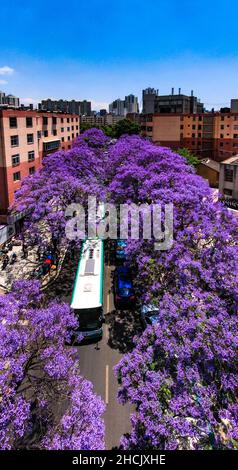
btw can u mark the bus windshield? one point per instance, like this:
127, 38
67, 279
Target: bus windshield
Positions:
89, 318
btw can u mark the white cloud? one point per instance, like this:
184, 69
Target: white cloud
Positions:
97, 105
5, 70
29, 101
3, 82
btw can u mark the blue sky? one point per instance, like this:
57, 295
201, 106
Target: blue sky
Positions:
101, 49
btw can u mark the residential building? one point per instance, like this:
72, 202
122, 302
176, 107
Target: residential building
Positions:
122, 107
149, 96
65, 106
228, 181
234, 105
131, 104
179, 103
207, 135
117, 107
9, 100
98, 120
209, 170
25, 138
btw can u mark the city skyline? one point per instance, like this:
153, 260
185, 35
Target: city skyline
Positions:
129, 48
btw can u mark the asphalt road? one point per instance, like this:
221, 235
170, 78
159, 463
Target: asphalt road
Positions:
97, 360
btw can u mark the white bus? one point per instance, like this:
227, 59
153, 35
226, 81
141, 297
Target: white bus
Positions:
87, 299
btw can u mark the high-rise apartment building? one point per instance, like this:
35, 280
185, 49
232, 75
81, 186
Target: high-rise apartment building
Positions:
71, 107
122, 107
148, 99
131, 104
117, 107
155, 103
25, 138
9, 100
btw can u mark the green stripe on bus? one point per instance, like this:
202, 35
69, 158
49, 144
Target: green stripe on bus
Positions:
101, 275
78, 269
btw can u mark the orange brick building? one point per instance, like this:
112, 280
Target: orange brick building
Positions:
207, 135
25, 138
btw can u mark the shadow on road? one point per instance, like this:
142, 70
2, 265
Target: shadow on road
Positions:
123, 325
63, 286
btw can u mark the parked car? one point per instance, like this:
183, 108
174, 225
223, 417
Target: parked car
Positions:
124, 295
120, 250
149, 315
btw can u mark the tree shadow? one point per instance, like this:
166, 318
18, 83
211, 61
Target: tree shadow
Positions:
123, 326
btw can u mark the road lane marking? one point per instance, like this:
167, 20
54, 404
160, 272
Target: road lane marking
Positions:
107, 385
107, 332
108, 303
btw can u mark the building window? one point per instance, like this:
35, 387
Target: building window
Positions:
222, 126
199, 127
72, 128
54, 120
32, 170
235, 144
221, 136
235, 118
68, 137
54, 132
76, 119
227, 192
14, 140
62, 129
72, 119
77, 134
38, 134
17, 176
235, 136
62, 139
236, 128
199, 135
15, 160
193, 135
68, 129
72, 136
31, 156
62, 120
67, 119
45, 133
77, 128
30, 138
200, 118
221, 144
222, 118
63, 148
45, 120
181, 127
13, 122
194, 127
29, 122
228, 175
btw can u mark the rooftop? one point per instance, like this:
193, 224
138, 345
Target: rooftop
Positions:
231, 161
211, 164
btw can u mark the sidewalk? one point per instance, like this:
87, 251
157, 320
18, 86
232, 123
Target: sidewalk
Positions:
23, 268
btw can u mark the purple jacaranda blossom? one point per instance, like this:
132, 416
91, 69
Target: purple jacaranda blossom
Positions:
44, 402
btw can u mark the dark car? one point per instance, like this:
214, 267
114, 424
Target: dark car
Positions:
120, 250
124, 295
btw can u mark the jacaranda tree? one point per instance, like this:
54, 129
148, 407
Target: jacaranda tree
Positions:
44, 402
181, 376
